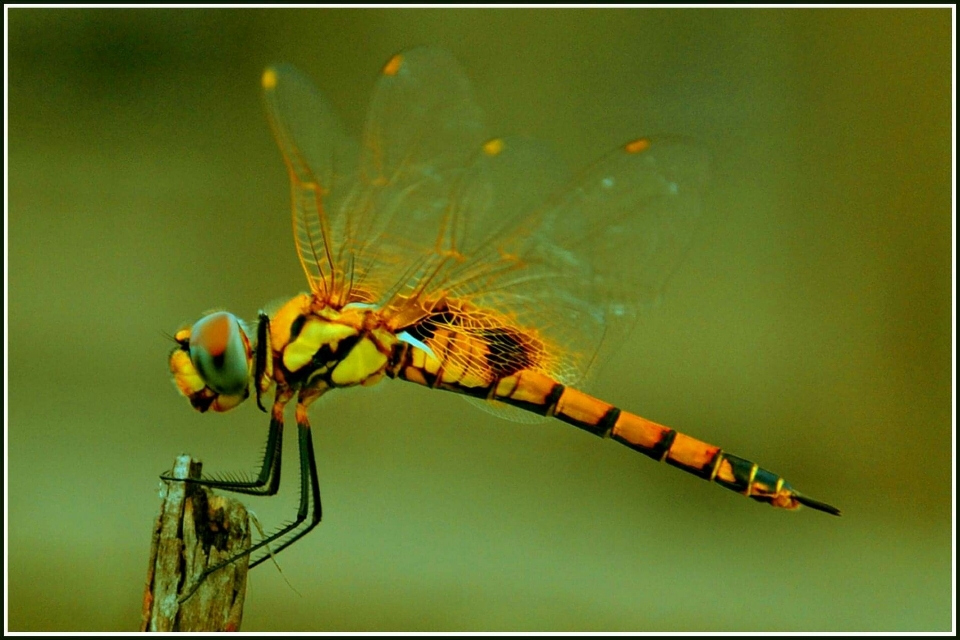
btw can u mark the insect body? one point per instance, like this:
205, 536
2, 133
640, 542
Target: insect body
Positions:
438, 255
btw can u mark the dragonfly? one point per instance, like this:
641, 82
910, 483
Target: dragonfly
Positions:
439, 255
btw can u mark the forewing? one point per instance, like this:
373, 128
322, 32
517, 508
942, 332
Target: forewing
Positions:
422, 132
322, 162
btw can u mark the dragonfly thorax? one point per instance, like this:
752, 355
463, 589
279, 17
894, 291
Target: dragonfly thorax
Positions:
322, 347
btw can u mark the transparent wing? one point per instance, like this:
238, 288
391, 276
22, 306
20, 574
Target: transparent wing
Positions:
322, 163
423, 121
570, 270
361, 217
612, 240
421, 132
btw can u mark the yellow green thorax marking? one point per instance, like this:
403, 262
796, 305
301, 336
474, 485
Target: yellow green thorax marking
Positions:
314, 334
364, 360
317, 342
282, 320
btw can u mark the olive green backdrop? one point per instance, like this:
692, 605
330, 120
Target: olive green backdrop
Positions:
809, 329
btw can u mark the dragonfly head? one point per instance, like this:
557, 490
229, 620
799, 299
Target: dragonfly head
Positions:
213, 362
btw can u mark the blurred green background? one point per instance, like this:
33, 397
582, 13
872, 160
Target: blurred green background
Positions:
809, 329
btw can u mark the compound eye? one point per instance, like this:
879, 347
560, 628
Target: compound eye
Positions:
220, 351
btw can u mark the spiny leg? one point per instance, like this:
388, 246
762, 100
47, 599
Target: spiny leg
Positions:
309, 493
263, 369
309, 487
268, 480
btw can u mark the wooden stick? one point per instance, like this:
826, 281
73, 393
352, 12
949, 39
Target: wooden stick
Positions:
196, 529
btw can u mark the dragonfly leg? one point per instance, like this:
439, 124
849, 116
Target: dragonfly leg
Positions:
309, 482
309, 496
263, 370
268, 480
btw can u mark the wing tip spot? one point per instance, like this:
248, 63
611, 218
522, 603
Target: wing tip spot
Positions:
269, 79
393, 65
493, 147
638, 145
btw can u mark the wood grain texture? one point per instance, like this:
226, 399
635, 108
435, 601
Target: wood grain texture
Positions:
195, 529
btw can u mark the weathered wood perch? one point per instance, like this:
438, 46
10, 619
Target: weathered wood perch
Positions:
196, 529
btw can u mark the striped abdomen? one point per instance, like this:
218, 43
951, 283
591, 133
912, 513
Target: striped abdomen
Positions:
540, 394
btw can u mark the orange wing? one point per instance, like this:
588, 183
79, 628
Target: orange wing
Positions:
433, 213
361, 220
572, 266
